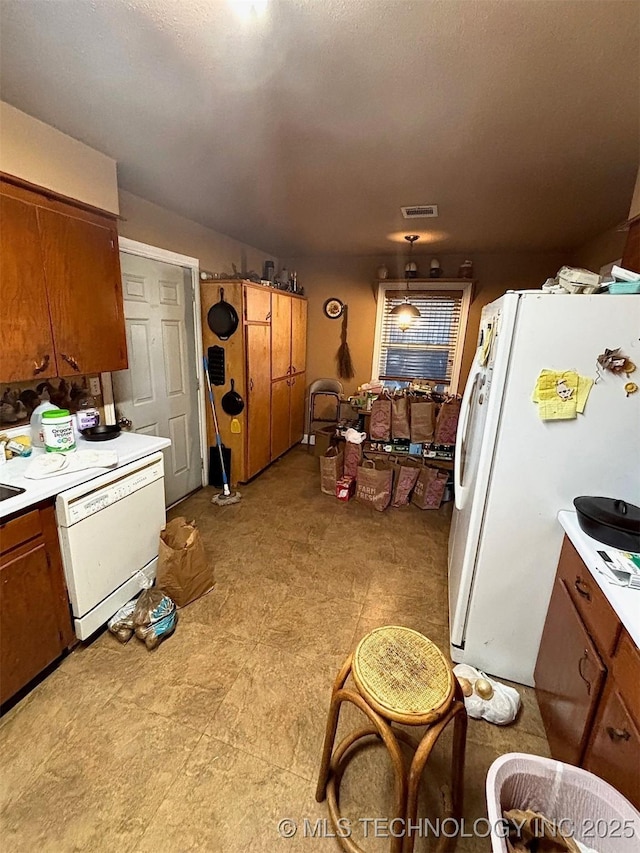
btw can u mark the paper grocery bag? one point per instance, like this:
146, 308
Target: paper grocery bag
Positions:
423, 419
406, 476
380, 424
447, 423
184, 571
400, 418
374, 484
331, 470
429, 489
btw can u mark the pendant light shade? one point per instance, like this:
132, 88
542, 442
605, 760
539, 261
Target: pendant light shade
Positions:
405, 313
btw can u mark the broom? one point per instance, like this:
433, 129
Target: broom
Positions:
343, 356
226, 496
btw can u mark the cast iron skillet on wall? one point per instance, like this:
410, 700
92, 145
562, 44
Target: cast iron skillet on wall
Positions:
232, 402
222, 318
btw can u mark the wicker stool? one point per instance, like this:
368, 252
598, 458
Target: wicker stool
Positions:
399, 676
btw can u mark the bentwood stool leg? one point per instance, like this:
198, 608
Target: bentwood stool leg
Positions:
384, 731
420, 759
330, 732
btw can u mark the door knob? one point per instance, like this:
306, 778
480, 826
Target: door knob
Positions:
124, 423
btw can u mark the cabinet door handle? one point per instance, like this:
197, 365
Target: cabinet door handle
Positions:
584, 659
617, 734
582, 589
268, 317
40, 368
251, 383
71, 362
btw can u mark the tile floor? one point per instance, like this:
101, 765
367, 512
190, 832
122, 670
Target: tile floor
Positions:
210, 740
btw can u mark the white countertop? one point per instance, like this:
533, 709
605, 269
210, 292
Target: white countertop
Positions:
129, 446
625, 601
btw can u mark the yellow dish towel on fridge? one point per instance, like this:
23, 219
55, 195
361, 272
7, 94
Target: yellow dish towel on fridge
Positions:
561, 394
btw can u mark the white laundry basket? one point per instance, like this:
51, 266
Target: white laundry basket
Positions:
599, 816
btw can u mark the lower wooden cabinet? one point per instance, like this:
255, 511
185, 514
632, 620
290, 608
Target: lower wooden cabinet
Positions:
588, 680
287, 413
35, 620
614, 749
569, 677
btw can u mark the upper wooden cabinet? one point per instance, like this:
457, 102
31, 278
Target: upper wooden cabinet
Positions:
61, 272
298, 335
280, 335
27, 345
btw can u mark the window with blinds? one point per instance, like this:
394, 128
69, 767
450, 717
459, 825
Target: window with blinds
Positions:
427, 350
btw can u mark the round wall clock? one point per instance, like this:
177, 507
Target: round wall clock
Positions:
333, 308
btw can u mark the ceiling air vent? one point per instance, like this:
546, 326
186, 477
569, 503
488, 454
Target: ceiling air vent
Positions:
420, 211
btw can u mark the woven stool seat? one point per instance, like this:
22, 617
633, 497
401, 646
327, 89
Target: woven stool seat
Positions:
402, 674
399, 676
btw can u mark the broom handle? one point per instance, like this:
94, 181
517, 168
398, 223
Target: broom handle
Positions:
225, 482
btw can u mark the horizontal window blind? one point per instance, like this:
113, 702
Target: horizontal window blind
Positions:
427, 349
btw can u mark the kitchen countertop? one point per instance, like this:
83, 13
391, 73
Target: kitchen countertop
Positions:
129, 446
625, 601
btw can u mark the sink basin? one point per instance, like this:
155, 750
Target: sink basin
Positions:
7, 492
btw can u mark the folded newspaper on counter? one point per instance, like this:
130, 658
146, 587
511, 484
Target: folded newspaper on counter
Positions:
622, 567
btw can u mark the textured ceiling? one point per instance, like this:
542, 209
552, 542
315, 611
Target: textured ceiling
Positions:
304, 131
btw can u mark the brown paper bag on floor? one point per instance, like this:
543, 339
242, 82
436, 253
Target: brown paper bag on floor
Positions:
423, 420
429, 489
184, 572
400, 418
406, 473
374, 484
352, 458
331, 470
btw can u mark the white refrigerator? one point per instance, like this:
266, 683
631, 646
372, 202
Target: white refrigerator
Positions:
514, 472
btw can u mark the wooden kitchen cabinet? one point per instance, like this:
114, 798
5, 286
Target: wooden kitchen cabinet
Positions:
280, 335
35, 619
569, 676
587, 680
298, 335
614, 749
82, 271
61, 270
280, 417
258, 399
266, 356
27, 346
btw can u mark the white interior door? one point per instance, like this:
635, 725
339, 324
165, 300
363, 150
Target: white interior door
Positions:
159, 391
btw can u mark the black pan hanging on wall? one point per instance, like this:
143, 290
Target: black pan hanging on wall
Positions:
222, 318
232, 402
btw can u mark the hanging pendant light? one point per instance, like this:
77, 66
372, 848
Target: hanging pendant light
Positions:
405, 313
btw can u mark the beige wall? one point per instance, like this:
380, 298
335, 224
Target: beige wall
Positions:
35, 152
351, 278
600, 250
148, 223
635, 201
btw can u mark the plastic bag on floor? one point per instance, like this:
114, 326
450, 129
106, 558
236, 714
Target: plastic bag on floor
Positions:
501, 708
155, 617
121, 624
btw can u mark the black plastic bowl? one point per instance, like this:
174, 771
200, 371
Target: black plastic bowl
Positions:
103, 432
